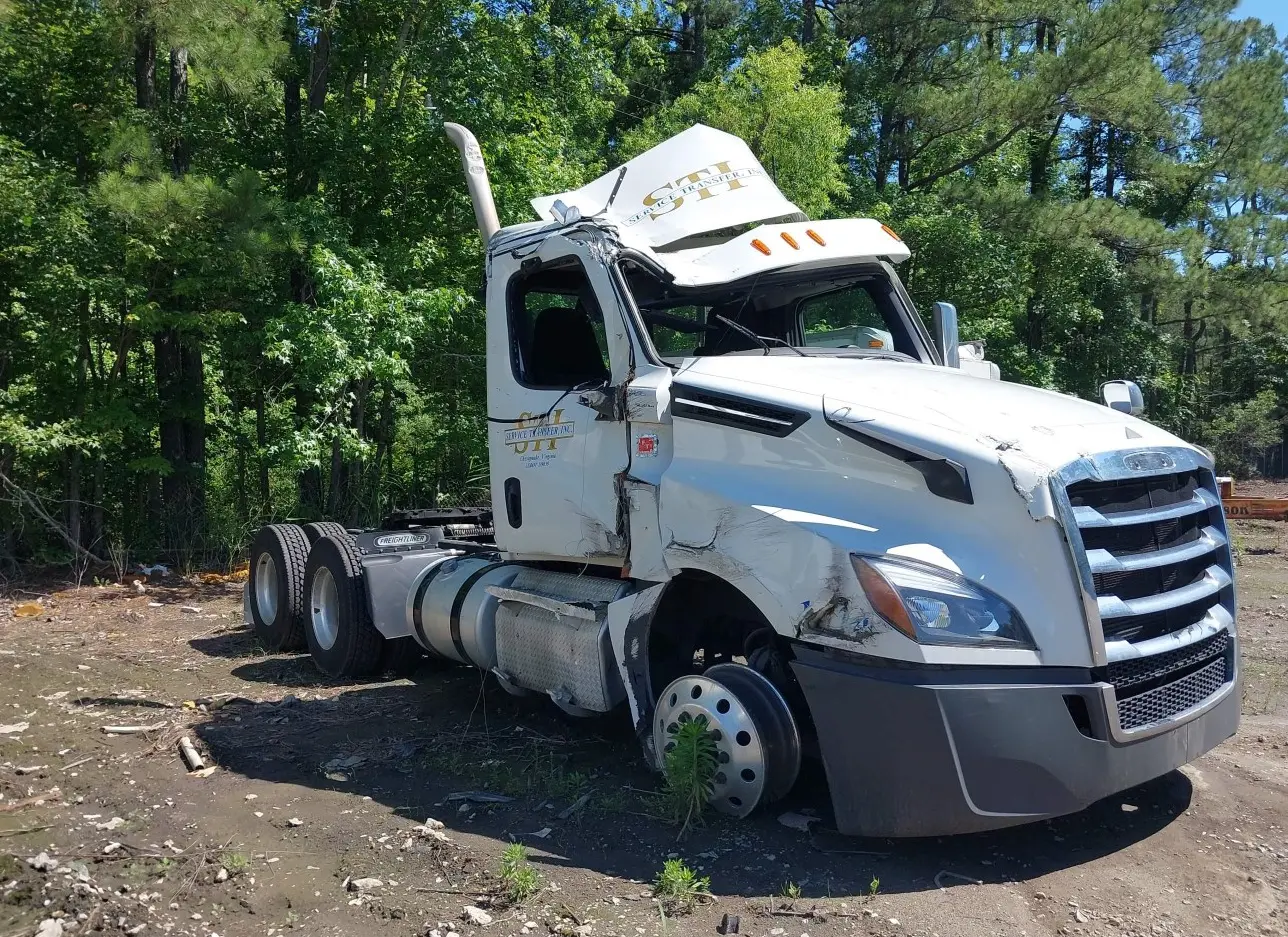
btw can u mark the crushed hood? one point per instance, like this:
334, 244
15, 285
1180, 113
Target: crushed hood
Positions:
927, 407
698, 181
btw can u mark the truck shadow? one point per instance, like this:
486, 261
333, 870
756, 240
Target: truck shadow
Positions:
413, 744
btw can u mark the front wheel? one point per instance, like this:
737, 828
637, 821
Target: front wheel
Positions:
758, 745
341, 637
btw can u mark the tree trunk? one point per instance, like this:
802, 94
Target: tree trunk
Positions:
145, 66
178, 109
169, 369
808, 13
1110, 168
261, 444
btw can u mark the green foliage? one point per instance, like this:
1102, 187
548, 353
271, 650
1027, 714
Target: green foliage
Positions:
261, 297
1239, 431
678, 889
519, 879
794, 127
689, 769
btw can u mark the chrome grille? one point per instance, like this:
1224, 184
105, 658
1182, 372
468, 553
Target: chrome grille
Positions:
1135, 674
1156, 548
1164, 702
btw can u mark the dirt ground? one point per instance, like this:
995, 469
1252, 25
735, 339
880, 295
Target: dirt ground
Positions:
317, 785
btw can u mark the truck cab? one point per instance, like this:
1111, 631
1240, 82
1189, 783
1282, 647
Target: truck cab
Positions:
736, 478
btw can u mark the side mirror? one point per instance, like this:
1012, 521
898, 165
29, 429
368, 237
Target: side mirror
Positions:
946, 334
1123, 396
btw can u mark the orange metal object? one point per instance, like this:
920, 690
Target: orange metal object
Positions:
1266, 509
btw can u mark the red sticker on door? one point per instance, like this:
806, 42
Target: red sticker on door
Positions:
646, 445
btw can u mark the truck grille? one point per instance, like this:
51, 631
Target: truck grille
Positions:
1166, 701
1157, 550
1160, 563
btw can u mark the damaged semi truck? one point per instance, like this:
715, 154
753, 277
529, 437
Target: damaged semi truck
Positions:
734, 476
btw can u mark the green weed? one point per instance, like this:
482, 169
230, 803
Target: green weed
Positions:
235, 862
690, 768
518, 877
677, 888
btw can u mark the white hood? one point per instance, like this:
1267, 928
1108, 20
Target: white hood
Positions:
698, 181
909, 402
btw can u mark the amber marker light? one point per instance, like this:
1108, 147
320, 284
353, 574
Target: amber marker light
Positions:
890, 231
791, 241
761, 246
885, 600
816, 237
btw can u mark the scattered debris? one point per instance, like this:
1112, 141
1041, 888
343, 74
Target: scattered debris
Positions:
42, 862
133, 730
295, 821
158, 569
364, 884
477, 797
796, 821
50, 927
14, 728
113, 824
191, 757
336, 766
221, 875
476, 916
204, 772
28, 610
542, 833
576, 805
728, 924
190, 609
34, 801
947, 874
29, 770
111, 848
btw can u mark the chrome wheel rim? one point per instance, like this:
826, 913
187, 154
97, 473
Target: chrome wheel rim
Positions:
325, 609
266, 588
740, 756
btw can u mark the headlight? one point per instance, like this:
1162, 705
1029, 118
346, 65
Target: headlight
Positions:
934, 606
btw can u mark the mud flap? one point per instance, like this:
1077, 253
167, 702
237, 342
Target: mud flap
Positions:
629, 619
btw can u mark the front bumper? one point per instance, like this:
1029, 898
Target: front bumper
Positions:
911, 751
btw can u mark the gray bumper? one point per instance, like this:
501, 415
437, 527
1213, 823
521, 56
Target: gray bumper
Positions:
921, 752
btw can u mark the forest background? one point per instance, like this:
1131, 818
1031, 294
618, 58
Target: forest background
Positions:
240, 279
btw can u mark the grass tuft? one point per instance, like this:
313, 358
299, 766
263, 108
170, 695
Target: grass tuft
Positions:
518, 877
690, 768
677, 888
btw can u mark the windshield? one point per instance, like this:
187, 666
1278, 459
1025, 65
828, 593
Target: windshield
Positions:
851, 313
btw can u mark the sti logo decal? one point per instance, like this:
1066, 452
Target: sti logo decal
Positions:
536, 432
707, 182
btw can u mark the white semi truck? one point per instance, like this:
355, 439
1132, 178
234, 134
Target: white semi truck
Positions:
735, 476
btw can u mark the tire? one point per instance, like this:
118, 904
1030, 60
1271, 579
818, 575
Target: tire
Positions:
401, 656
337, 619
319, 529
278, 555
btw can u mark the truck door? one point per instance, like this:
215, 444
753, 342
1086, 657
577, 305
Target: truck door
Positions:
556, 343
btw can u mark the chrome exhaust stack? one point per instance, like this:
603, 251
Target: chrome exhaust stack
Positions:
476, 179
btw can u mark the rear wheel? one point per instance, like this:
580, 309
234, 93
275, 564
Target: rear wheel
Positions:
341, 637
758, 746
319, 529
278, 556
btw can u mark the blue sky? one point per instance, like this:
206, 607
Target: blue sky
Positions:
1268, 11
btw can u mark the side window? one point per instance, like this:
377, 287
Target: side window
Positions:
848, 318
557, 336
